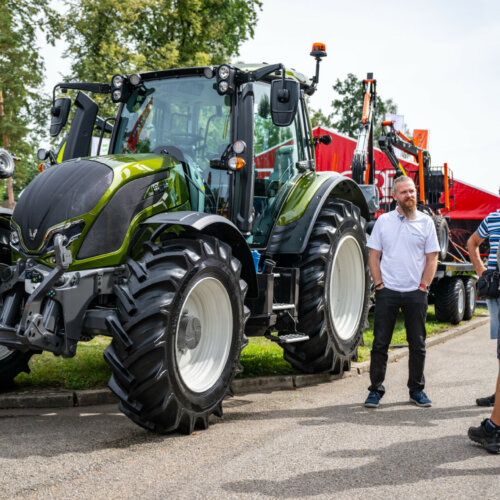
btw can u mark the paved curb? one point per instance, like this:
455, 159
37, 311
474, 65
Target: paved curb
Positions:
65, 399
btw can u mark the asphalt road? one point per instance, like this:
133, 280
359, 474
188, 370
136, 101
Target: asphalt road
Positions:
315, 442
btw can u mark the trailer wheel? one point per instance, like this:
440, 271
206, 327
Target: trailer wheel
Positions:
177, 344
470, 297
334, 291
450, 300
442, 231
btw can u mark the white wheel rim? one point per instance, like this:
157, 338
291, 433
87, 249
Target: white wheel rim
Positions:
200, 367
472, 298
5, 352
461, 301
347, 287
444, 240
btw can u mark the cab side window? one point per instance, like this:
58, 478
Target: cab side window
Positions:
276, 152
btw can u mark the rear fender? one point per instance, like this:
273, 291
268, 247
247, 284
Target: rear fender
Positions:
213, 225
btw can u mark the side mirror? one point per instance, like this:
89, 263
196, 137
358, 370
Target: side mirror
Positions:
323, 139
59, 112
284, 101
6, 164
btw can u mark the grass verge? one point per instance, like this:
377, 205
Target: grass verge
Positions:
261, 357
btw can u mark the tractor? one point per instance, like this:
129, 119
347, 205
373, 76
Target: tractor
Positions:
204, 224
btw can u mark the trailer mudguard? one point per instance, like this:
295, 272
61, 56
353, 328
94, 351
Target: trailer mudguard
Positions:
293, 227
213, 225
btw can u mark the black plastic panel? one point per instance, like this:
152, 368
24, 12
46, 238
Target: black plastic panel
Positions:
108, 231
60, 193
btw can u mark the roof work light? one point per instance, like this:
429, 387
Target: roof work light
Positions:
225, 79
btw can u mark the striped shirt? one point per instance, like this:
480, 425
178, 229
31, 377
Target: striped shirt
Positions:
490, 228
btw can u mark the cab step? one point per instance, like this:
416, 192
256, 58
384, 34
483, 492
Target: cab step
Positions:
283, 307
289, 338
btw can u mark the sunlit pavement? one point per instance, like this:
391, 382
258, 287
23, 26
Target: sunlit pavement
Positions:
317, 442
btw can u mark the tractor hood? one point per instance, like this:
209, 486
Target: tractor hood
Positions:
59, 194
94, 202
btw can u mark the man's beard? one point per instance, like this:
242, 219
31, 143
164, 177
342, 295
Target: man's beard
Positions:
408, 207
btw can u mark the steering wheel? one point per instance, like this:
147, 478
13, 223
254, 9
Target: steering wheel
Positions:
186, 137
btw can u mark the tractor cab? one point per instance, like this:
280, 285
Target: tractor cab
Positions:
241, 134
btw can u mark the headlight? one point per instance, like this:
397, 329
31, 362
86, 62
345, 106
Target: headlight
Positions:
223, 86
235, 163
224, 72
239, 147
117, 95
135, 79
14, 237
117, 81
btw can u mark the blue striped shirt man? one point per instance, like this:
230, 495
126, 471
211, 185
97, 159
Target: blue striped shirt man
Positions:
490, 228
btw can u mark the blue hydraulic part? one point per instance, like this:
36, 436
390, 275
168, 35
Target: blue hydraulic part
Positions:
256, 259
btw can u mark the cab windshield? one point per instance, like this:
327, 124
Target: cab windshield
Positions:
189, 119
184, 112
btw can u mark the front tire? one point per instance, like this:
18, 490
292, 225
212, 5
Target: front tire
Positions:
333, 291
182, 335
11, 362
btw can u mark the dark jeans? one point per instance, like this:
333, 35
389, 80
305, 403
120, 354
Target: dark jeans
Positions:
414, 308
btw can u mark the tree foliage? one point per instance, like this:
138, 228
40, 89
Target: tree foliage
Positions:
111, 36
347, 108
21, 78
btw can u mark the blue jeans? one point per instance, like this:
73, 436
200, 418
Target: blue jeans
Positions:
494, 309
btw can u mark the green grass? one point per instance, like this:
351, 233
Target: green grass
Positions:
261, 357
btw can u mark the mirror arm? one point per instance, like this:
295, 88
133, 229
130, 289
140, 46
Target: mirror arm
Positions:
258, 74
99, 88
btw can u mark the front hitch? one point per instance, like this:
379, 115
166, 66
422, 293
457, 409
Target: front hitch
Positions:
52, 317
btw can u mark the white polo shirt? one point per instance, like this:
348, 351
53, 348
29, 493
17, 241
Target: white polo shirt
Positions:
403, 243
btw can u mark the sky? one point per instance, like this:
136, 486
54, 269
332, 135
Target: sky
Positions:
438, 60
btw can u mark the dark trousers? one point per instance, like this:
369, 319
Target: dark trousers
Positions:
414, 308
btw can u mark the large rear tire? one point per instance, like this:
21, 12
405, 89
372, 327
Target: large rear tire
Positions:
470, 297
181, 319
333, 291
450, 300
443, 235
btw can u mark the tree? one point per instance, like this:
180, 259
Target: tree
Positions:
348, 107
106, 37
21, 70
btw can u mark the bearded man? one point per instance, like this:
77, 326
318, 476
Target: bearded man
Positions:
403, 258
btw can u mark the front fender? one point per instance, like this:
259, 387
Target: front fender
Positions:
213, 225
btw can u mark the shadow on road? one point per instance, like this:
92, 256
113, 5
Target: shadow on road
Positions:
79, 430
388, 415
397, 464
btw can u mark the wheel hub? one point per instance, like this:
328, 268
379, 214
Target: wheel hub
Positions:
189, 332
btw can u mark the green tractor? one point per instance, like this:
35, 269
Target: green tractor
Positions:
205, 224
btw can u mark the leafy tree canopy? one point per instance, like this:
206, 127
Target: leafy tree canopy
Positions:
347, 108
21, 70
112, 36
